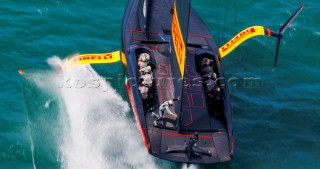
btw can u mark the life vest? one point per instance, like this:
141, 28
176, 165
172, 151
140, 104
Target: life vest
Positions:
142, 65
147, 79
145, 70
144, 92
164, 105
144, 57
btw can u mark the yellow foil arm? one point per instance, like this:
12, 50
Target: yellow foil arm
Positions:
93, 59
241, 37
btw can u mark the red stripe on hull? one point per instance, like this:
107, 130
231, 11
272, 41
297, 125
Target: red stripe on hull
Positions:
184, 135
136, 116
232, 148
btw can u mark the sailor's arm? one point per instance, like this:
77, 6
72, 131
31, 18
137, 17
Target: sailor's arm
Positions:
174, 99
170, 112
143, 69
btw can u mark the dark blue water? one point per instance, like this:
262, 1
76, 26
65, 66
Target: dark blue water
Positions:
276, 112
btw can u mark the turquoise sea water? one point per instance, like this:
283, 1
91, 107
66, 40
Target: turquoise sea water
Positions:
276, 116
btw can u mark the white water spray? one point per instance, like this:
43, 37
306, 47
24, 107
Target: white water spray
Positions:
100, 133
189, 166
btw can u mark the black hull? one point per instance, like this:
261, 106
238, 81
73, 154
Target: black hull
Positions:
215, 129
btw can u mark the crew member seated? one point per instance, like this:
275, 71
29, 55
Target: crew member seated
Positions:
147, 80
218, 96
207, 67
146, 70
144, 57
206, 62
142, 64
210, 75
210, 87
144, 91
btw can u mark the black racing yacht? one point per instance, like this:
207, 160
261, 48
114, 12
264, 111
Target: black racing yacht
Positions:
178, 42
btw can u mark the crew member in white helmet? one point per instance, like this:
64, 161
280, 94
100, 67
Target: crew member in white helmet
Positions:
163, 107
144, 57
147, 80
144, 91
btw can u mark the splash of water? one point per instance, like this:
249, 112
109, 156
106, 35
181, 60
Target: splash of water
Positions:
100, 135
189, 166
